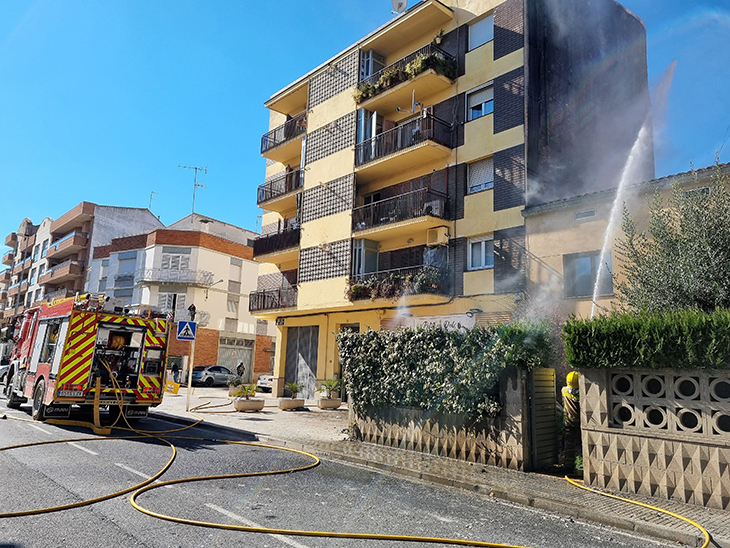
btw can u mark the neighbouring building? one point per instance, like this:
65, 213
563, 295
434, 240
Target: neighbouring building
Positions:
197, 261
397, 171
50, 260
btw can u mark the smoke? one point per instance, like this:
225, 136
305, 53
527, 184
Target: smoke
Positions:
660, 110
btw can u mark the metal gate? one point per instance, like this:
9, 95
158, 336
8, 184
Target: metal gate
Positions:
232, 352
544, 435
301, 358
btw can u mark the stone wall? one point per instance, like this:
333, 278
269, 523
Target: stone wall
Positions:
658, 433
505, 443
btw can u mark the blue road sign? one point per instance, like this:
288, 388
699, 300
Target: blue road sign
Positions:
186, 331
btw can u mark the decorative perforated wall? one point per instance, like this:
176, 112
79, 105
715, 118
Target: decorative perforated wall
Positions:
330, 260
334, 78
330, 198
331, 138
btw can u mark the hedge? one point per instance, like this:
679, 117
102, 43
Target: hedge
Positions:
436, 369
684, 339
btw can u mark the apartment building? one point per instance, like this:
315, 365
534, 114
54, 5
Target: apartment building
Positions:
197, 261
50, 260
397, 171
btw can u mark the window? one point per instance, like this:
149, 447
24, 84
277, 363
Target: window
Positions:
585, 214
479, 102
480, 175
481, 32
165, 301
41, 270
232, 305
49, 343
234, 287
44, 249
126, 263
580, 270
364, 257
480, 253
36, 250
231, 324
176, 258
31, 280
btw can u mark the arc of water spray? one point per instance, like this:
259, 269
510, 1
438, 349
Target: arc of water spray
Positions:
626, 177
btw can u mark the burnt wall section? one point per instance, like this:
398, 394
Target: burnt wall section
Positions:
509, 178
334, 78
509, 28
328, 261
509, 260
453, 111
509, 100
333, 137
588, 97
329, 198
457, 263
455, 182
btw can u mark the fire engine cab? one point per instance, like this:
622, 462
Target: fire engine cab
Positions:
62, 348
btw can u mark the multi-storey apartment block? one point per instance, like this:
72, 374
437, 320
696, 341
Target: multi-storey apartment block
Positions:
397, 171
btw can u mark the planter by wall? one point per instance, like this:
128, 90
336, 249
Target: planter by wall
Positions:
329, 403
242, 404
288, 404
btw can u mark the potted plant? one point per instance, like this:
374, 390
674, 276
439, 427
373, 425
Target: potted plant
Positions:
234, 382
243, 399
292, 403
330, 387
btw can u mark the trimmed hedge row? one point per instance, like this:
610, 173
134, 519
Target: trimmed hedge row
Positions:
438, 370
684, 339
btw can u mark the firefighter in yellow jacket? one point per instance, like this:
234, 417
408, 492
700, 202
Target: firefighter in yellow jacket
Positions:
571, 417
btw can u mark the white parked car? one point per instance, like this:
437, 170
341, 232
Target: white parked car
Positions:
265, 383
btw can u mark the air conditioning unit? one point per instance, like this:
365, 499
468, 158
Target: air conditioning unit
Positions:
437, 236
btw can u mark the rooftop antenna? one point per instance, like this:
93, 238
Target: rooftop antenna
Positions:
196, 185
150, 206
399, 6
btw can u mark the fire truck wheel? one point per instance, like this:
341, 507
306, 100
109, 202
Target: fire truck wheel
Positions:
12, 401
38, 405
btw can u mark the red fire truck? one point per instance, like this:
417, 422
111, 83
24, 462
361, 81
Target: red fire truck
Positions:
63, 347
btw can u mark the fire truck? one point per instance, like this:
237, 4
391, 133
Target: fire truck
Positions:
65, 349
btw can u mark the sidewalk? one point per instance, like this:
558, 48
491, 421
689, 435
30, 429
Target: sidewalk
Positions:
324, 433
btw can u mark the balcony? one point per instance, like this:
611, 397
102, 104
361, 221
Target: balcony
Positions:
58, 294
425, 72
8, 258
70, 244
5, 276
3, 296
26, 243
413, 143
284, 142
22, 267
279, 247
272, 299
14, 289
11, 239
398, 282
279, 194
400, 215
63, 272
73, 219
201, 278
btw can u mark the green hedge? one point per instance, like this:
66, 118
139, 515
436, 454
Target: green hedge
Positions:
686, 339
435, 369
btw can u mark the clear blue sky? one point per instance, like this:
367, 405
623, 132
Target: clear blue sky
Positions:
101, 100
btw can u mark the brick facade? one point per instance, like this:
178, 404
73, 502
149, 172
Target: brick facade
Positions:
262, 355
509, 100
509, 28
509, 178
206, 346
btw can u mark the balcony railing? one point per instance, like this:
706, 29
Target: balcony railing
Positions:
288, 130
166, 275
424, 128
278, 241
411, 205
58, 294
283, 184
271, 299
410, 66
394, 283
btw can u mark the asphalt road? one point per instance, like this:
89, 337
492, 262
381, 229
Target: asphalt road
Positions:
330, 497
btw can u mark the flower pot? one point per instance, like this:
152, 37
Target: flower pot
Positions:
242, 404
329, 403
288, 404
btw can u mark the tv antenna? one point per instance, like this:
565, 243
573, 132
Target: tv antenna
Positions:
150, 206
196, 185
399, 6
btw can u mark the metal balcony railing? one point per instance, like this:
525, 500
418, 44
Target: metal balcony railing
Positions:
290, 129
278, 241
278, 186
270, 299
424, 128
427, 57
411, 205
166, 275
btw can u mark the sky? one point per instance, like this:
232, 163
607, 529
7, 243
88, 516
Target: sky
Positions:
102, 101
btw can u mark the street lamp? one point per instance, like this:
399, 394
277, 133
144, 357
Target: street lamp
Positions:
211, 285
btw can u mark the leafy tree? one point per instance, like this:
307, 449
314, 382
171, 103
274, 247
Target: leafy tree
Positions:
683, 260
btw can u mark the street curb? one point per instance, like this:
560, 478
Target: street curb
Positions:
521, 497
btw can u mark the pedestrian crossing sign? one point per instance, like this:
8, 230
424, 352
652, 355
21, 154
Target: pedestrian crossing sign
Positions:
186, 331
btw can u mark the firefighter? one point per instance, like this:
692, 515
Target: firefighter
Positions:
571, 419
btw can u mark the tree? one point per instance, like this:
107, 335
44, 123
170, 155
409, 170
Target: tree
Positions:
683, 260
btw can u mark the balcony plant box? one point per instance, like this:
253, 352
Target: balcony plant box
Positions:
243, 400
329, 387
287, 404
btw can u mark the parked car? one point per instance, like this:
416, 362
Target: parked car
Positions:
265, 383
211, 375
3, 373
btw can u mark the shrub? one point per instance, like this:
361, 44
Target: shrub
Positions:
247, 391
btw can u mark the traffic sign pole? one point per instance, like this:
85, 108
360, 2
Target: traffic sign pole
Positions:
190, 374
